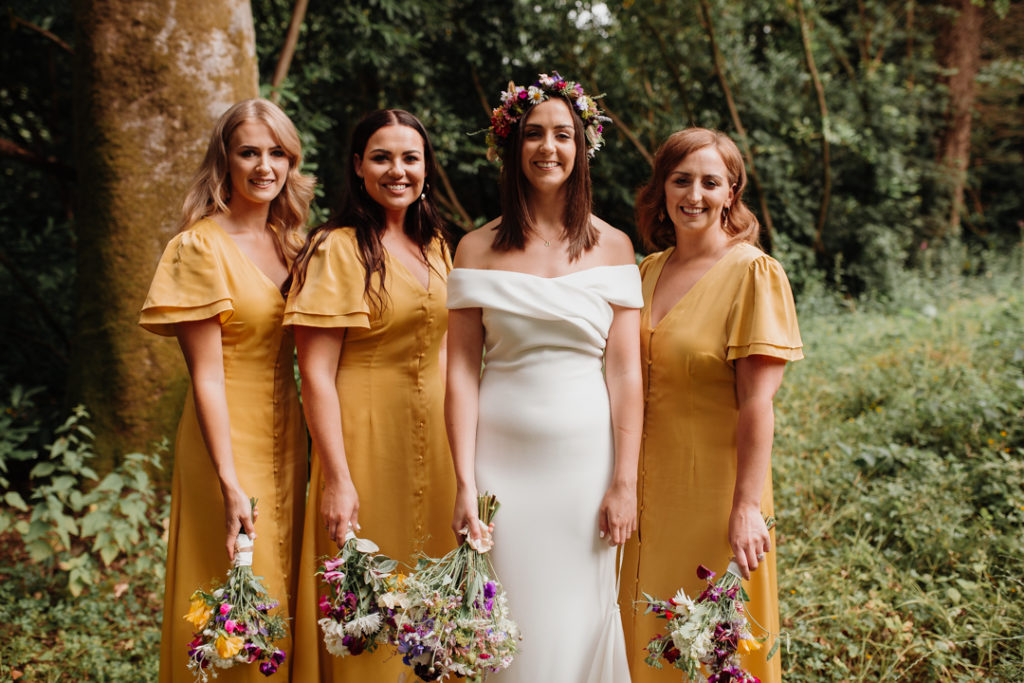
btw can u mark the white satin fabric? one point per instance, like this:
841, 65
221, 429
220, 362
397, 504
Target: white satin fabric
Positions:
544, 447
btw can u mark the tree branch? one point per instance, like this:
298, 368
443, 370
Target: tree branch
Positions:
769, 230
284, 61
452, 201
15, 19
12, 150
672, 67
621, 125
480, 92
805, 36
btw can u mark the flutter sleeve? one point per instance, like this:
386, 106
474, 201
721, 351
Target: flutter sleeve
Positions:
763, 316
189, 285
332, 293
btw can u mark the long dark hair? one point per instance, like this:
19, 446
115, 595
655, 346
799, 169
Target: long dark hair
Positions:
423, 223
516, 219
657, 231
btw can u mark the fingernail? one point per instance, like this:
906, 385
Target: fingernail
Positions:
600, 534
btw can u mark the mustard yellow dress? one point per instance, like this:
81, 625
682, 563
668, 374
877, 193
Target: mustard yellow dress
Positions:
392, 416
203, 274
742, 306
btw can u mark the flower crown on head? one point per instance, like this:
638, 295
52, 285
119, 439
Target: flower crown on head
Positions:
517, 100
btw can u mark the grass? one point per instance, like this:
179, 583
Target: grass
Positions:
899, 470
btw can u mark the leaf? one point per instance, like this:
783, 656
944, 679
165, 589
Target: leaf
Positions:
42, 469
14, 499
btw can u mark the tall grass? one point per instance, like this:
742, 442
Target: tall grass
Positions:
899, 470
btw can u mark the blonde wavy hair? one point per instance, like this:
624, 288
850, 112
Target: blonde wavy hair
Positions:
210, 189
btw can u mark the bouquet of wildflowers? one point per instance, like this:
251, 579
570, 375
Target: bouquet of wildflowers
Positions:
352, 617
232, 623
453, 617
704, 637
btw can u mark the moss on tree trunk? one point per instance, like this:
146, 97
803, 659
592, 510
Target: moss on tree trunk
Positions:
152, 76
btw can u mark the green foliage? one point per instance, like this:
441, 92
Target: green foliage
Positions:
899, 473
82, 566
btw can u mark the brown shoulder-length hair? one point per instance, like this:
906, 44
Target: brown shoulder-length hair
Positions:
516, 217
210, 189
423, 222
654, 226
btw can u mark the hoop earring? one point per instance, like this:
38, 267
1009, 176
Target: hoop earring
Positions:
725, 215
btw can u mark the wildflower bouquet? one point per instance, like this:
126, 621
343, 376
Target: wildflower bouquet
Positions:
232, 623
704, 637
453, 618
352, 617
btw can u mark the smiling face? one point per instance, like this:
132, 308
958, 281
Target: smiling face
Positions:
257, 164
548, 145
697, 190
393, 168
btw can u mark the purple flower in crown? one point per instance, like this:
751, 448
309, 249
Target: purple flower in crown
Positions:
516, 101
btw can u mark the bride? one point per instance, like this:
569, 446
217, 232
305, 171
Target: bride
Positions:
552, 425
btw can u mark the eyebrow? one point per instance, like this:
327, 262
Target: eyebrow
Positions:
557, 125
387, 151
713, 176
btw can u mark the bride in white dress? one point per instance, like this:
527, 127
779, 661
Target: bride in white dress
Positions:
552, 426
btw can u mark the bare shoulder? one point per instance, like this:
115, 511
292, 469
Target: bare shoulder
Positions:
475, 246
614, 246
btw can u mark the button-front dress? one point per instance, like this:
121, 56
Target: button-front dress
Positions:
392, 416
742, 306
203, 274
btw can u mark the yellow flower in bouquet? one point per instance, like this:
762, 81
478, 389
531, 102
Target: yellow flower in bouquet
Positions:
198, 613
747, 645
229, 646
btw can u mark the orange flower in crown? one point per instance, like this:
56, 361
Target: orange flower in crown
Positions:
517, 101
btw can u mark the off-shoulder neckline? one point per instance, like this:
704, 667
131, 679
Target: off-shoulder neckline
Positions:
540, 277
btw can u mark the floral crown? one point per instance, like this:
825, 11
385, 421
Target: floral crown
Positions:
517, 100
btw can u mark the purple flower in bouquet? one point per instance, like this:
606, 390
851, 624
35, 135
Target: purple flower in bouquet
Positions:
452, 618
231, 623
353, 620
704, 637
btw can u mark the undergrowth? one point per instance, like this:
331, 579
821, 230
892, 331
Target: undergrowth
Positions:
899, 470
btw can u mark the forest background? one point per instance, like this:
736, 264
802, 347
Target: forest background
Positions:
884, 142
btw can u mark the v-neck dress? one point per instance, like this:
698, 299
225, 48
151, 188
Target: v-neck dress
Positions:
392, 417
741, 306
203, 274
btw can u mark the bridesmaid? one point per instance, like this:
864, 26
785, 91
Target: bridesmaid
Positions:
218, 290
717, 328
368, 309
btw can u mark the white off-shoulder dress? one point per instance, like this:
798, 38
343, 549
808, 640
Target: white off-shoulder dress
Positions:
544, 447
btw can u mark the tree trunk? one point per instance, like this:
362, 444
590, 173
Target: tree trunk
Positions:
152, 76
960, 54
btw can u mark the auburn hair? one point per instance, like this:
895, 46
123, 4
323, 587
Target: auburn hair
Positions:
652, 222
